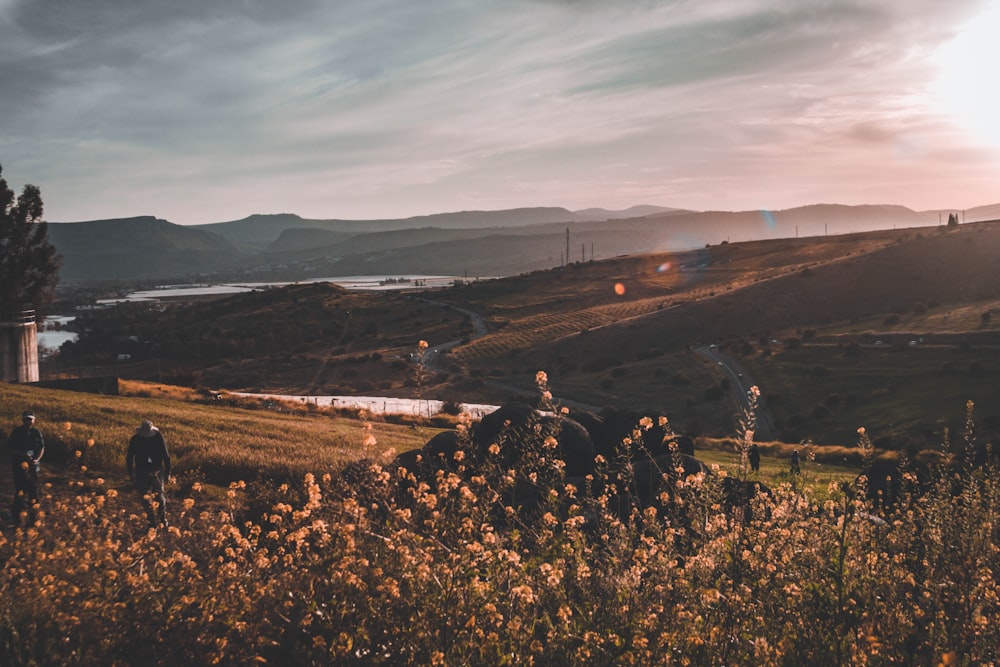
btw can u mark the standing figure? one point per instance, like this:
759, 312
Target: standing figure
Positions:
754, 456
26, 447
795, 462
148, 464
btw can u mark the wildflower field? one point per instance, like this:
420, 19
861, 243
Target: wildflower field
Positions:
358, 562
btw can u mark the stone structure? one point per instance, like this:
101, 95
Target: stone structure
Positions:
19, 347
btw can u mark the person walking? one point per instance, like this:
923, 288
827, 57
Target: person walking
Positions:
754, 456
795, 463
26, 446
148, 464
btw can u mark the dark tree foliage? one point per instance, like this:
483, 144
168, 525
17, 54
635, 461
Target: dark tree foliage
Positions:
28, 262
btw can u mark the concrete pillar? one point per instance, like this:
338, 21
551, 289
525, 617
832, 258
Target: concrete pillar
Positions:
19, 348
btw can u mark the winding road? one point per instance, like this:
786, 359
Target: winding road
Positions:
740, 383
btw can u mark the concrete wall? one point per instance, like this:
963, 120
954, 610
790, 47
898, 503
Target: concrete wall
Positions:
19, 349
107, 385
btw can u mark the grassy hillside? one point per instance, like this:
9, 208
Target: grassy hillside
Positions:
313, 338
143, 248
209, 443
906, 376
621, 332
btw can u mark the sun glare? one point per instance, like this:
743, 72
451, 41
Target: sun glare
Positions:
965, 81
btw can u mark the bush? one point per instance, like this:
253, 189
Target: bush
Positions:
713, 394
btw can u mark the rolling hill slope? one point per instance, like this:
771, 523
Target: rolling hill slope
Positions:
143, 248
287, 247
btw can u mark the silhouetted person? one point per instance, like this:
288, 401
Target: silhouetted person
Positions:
148, 464
26, 447
795, 462
754, 456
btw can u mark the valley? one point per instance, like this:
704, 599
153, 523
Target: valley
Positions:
797, 314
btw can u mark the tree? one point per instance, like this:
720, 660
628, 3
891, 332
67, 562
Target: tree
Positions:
953, 219
28, 262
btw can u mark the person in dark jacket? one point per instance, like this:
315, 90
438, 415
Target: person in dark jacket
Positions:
148, 464
27, 446
795, 463
754, 456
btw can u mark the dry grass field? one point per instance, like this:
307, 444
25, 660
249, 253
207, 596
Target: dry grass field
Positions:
210, 443
315, 569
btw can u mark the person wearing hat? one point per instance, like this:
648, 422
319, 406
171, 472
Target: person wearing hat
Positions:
27, 446
148, 464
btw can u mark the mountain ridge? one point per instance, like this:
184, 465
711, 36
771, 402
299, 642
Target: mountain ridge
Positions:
288, 247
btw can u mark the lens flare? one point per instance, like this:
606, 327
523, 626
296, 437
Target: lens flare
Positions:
769, 219
620, 289
663, 268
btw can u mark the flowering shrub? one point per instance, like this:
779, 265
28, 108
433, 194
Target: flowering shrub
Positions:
380, 567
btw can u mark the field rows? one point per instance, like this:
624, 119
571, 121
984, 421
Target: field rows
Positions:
536, 329
531, 330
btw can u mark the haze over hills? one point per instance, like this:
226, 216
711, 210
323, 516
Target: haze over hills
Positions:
287, 247
257, 231
899, 326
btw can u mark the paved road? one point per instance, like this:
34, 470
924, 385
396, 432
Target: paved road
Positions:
740, 382
479, 329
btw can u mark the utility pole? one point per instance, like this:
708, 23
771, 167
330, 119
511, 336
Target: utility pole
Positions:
567, 245
583, 253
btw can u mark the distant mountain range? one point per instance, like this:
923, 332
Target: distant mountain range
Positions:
287, 247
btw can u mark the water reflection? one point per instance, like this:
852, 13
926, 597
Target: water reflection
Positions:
354, 283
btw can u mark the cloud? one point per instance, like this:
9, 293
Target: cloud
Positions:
205, 110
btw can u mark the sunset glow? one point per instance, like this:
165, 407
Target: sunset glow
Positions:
967, 76
202, 112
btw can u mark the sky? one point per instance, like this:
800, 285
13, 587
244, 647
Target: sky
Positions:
201, 111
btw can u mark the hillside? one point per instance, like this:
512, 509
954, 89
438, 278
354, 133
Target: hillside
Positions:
610, 332
287, 247
143, 248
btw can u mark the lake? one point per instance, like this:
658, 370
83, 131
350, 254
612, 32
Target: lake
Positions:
54, 338
353, 283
